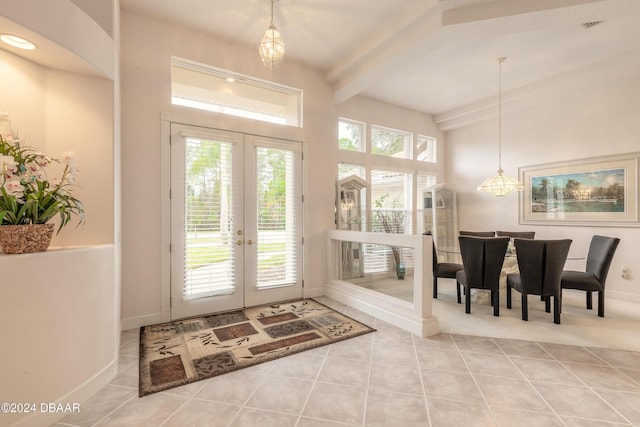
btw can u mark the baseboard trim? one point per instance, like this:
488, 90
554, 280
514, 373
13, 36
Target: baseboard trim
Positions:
313, 292
383, 307
138, 321
625, 296
76, 396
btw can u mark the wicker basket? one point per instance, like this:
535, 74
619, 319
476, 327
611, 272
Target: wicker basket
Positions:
27, 238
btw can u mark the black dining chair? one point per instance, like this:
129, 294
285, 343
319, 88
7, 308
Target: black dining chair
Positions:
601, 251
540, 263
517, 234
477, 233
444, 270
482, 259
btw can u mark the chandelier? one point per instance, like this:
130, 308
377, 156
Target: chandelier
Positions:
272, 47
500, 185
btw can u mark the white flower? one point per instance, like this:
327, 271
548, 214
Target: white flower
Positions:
7, 161
8, 165
42, 160
13, 187
32, 173
32, 167
23, 177
68, 157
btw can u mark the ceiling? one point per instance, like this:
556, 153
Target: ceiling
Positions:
433, 56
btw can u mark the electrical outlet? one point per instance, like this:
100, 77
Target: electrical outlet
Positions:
625, 272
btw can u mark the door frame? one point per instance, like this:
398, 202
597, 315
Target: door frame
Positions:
231, 124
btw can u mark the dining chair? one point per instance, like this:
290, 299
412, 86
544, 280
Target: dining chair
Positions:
540, 263
517, 234
601, 251
482, 259
444, 270
477, 233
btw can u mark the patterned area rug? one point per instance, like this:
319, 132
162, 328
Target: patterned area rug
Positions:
189, 350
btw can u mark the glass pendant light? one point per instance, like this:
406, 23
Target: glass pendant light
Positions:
272, 48
500, 185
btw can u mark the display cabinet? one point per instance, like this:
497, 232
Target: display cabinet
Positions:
352, 200
441, 219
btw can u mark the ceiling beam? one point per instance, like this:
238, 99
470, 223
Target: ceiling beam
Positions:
446, 22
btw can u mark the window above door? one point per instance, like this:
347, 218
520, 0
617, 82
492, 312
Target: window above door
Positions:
204, 87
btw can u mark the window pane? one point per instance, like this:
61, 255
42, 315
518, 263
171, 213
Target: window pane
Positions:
350, 135
277, 230
388, 142
391, 212
209, 261
391, 201
348, 169
426, 149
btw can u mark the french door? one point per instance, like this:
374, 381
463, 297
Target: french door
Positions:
236, 220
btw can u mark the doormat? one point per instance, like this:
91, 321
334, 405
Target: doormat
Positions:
188, 350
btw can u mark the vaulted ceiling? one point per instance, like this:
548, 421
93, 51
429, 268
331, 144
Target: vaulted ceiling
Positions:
433, 56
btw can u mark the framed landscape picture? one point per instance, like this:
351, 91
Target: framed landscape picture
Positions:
598, 191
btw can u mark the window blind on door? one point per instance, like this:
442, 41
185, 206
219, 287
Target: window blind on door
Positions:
277, 204
209, 240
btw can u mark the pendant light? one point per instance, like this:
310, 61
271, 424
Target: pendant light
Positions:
500, 185
272, 47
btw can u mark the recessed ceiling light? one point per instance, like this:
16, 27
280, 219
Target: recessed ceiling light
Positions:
230, 79
18, 42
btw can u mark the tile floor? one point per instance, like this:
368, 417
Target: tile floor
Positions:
393, 378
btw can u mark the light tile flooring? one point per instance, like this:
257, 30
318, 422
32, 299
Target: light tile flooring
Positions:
393, 378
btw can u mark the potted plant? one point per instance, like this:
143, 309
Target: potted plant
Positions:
29, 199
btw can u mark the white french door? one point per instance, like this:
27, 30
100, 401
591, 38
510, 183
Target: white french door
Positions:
236, 220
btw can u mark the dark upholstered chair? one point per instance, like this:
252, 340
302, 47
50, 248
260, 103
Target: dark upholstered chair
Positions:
445, 270
482, 259
477, 233
540, 263
517, 234
601, 251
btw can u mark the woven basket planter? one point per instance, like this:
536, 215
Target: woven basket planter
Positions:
24, 239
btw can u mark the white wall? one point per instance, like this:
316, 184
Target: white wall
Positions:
594, 113
80, 118
64, 346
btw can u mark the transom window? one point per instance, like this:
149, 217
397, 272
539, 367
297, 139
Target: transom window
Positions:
204, 87
390, 142
426, 149
351, 135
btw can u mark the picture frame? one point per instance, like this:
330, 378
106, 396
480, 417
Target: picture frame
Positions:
599, 191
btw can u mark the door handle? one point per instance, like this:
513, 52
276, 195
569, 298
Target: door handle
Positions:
249, 242
239, 242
